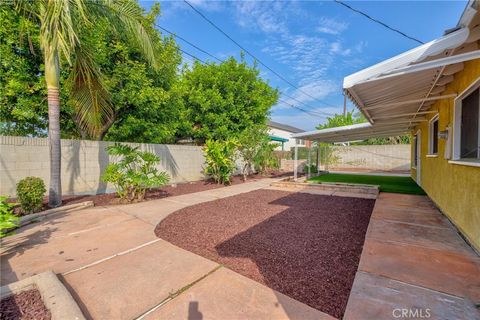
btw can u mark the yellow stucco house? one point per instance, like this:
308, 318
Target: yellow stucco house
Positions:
433, 93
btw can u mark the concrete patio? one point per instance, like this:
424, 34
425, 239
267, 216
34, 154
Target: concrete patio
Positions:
115, 267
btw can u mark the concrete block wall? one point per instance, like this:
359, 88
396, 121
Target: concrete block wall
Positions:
372, 157
83, 163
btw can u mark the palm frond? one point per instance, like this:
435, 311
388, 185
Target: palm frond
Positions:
88, 93
126, 16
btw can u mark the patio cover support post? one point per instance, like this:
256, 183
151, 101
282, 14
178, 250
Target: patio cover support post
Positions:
319, 162
309, 160
295, 162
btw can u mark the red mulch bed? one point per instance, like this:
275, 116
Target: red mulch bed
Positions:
305, 246
26, 305
158, 193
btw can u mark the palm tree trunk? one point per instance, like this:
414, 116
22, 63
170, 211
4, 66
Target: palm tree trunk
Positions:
52, 75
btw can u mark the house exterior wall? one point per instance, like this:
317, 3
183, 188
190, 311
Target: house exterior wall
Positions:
284, 134
454, 188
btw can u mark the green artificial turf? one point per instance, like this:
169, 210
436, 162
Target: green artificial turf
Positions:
387, 183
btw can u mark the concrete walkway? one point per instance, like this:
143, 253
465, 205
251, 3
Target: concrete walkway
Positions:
116, 268
414, 265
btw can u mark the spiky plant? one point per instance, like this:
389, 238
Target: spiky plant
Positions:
60, 22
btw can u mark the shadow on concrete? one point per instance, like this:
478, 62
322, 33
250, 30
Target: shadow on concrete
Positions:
193, 311
17, 244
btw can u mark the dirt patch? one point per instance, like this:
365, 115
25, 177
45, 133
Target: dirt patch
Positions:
305, 246
157, 193
26, 305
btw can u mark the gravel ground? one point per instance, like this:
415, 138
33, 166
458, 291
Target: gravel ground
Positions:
26, 305
305, 246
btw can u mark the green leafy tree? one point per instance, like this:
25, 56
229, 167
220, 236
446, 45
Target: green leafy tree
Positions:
256, 150
224, 99
133, 172
60, 24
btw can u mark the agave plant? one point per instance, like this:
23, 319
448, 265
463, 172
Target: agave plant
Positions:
60, 22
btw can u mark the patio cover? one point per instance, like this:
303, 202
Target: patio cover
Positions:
396, 94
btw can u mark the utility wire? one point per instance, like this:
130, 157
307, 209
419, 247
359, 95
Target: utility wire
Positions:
185, 40
192, 56
251, 54
378, 21
310, 112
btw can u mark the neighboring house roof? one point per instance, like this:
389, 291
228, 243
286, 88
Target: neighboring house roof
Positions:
395, 95
284, 127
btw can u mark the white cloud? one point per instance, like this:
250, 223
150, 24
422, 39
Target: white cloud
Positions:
264, 16
331, 26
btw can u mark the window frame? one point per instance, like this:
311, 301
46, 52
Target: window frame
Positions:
457, 133
434, 119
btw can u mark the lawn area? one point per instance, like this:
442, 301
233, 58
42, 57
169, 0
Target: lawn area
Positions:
387, 183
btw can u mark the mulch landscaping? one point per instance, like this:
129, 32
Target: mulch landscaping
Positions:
26, 305
303, 245
106, 199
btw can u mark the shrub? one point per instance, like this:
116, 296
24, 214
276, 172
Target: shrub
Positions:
313, 169
220, 159
30, 193
252, 141
7, 219
265, 160
133, 172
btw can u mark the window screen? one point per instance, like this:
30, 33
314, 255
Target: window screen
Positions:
469, 147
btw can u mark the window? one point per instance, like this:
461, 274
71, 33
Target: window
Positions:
467, 125
300, 142
433, 136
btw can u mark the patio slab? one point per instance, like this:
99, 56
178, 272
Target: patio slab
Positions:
227, 295
376, 297
38, 252
128, 285
413, 259
440, 270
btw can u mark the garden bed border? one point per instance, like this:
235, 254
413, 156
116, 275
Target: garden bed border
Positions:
55, 296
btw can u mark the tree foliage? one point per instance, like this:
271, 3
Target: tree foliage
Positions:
224, 99
220, 159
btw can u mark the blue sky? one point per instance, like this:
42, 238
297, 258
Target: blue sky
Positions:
314, 44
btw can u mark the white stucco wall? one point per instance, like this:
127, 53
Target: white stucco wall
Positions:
284, 134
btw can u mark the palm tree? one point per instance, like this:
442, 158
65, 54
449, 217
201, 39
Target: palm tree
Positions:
60, 24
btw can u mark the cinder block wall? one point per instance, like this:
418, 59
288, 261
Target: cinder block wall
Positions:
83, 163
372, 157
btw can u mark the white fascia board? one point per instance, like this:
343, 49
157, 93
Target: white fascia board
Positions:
332, 130
432, 48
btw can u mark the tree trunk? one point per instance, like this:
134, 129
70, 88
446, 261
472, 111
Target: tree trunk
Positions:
52, 75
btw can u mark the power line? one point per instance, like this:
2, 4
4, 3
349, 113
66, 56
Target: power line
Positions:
310, 112
379, 22
251, 54
192, 56
186, 41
